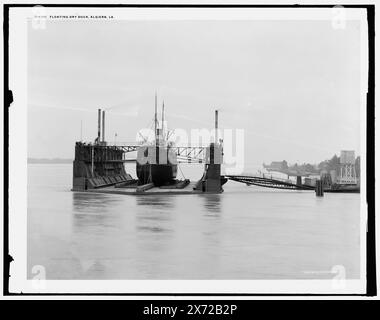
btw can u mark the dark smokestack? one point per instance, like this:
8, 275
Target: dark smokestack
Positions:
99, 120
103, 125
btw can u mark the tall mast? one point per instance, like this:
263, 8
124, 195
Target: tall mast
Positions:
163, 118
216, 127
155, 118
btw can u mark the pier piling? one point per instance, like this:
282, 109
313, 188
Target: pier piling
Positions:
319, 188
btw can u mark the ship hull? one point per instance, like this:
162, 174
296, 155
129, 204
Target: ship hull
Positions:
159, 174
157, 165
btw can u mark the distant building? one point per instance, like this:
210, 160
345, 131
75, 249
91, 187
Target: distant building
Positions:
347, 172
277, 165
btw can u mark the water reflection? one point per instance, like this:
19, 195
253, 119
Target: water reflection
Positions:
212, 204
93, 211
154, 214
90, 202
94, 270
159, 201
152, 228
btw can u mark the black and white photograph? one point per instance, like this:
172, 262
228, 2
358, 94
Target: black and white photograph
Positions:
189, 150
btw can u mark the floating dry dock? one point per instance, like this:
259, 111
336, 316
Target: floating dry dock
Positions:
99, 167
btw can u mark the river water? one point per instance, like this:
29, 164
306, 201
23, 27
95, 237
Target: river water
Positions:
243, 233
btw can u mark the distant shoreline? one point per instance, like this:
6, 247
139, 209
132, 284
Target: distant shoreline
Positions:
49, 161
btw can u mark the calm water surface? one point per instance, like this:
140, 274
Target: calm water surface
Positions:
244, 233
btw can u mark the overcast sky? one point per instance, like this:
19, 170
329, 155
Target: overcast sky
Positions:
293, 86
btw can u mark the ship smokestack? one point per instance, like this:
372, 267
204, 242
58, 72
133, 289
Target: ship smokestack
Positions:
103, 125
99, 120
216, 126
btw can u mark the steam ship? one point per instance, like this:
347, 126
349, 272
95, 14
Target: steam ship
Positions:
157, 162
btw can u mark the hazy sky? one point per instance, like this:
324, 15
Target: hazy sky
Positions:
293, 86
